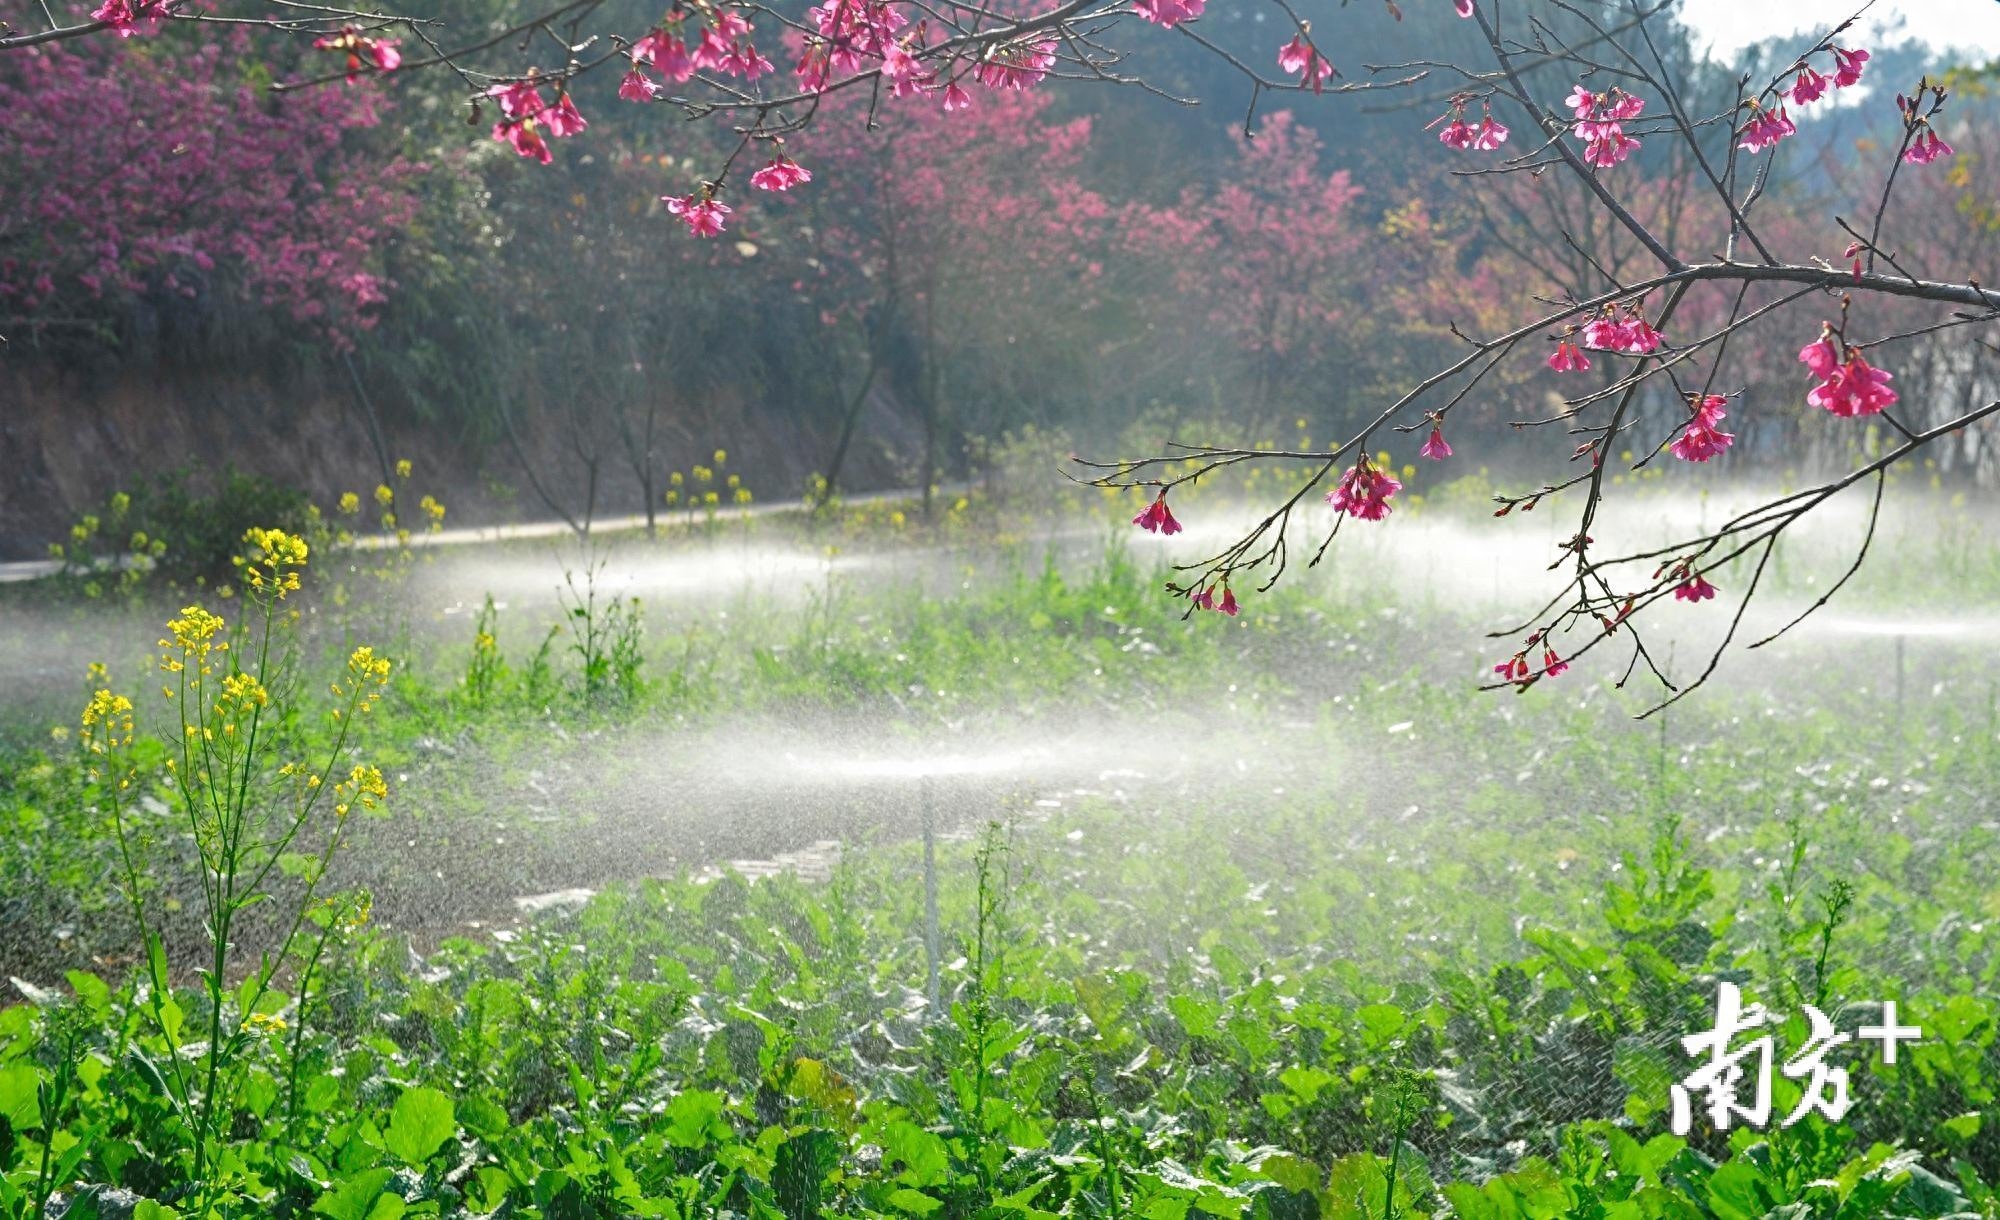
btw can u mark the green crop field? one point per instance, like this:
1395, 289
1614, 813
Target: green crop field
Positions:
1275, 917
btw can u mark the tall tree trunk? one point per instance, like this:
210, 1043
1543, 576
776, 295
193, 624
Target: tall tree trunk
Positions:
371, 425
527, 467
847, 423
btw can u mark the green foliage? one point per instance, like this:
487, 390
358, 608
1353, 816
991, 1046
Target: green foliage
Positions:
1403, 986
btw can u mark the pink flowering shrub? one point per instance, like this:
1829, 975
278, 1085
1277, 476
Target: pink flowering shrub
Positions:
191, 181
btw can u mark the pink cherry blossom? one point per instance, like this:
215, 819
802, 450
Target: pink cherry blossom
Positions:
359, 49
1553, 666
1568, 357
636, 86
1158, 518
782, 174
1640, 338
1693, 588
1228, 604
1609, 151
1766, 130
1514, 668
748, 64
1600, 119
525, 138
1464, 7
1703, 437
705, 216
1456, 134
1604, 334
563, 118
1926, 148
1169, 13
956, 98
1364, 491
668, 55
1851, 64
1301, 59
1018, 65
1489, 135
1435, 448
1203, 597
518, 99
1807, 87
1854, 388
129, 17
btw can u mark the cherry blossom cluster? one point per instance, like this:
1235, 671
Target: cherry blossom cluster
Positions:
1302, 59
1517, 670
1928, 145
129, 17
1568, 357
1703, 437
1484, 136
1690, 585
1627, 332
1157, 518
1364, 491
1768, 126
1765, 128
1600, 124
361, 50
1847, 384
1169, 13
273, 201
1809, 85
724, 47
525, 115
1205, 598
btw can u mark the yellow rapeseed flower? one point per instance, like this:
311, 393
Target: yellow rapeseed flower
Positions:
364, 664
264, 1023
350, 503
107, 722
403, 468
245, 691
383, 495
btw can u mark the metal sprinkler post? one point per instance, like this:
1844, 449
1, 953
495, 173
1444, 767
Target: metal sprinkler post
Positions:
927, 793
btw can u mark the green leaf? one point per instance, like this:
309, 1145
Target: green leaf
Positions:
419, 1125
1294, 1173
694, 1117
483, 1117
916, 1202
354, 1198
925, 1159
90, 990
20, 1101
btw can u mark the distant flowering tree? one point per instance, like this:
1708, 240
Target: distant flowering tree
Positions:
190, 179
1267, 262
971, 230
1640, 286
